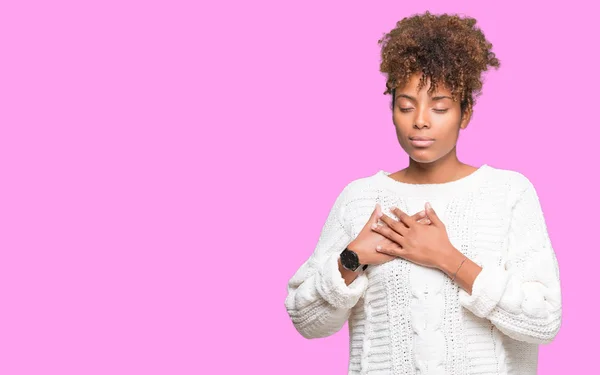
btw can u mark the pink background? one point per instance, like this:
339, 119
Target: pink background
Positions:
167, 166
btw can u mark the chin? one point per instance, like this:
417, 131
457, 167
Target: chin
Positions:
421, 159
422, 156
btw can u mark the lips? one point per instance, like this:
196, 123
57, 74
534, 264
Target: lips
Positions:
416, 142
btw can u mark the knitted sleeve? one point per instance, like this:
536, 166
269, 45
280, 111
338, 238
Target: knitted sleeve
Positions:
522, 297
318, 300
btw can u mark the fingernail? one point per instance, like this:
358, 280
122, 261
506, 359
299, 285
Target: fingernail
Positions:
374, 226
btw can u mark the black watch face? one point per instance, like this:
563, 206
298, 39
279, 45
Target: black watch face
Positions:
349, 260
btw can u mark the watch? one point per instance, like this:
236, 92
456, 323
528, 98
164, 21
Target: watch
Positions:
349, 260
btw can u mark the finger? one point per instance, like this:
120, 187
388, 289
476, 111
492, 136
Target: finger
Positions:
419, 215
393, 250
409, 221
376, 214
432, 215
392, 230
396, 226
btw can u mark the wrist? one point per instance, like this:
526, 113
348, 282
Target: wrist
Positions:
351, 260
348, 275
451, 262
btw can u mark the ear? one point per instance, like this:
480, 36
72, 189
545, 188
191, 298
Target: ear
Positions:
466, 118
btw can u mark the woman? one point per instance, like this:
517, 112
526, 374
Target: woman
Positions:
453, 271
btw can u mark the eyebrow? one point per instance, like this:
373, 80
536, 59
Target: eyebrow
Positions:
440, 97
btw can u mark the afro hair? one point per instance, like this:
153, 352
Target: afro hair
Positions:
447, 49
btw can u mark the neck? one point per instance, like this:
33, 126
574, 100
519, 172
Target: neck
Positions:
440, 171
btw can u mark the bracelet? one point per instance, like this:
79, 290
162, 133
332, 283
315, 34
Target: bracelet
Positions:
461, 263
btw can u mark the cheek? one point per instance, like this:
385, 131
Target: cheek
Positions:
401, 135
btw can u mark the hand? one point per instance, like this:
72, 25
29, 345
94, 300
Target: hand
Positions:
426, 245
367, 240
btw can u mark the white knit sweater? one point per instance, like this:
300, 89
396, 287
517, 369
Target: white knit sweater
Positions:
408, 319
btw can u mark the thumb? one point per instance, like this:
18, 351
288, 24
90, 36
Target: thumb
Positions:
432, 214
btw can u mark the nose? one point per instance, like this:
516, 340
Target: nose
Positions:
421, 120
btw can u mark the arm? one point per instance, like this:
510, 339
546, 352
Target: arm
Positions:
469, 270
318, 300
523, 297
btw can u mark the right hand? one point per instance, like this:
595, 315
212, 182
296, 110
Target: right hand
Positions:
364, 244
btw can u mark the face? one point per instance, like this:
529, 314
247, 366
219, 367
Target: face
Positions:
435, 117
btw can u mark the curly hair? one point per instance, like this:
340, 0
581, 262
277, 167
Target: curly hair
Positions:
447, 49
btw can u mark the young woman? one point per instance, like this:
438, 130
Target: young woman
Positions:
441, 267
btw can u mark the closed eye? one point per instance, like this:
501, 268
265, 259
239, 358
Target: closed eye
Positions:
436, 110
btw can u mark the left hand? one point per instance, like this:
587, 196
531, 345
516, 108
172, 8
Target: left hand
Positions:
426, 245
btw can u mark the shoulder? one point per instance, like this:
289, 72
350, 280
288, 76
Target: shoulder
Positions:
360, 186
355, 191
517, 186
513, 180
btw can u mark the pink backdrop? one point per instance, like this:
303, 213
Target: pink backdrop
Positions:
167, 166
